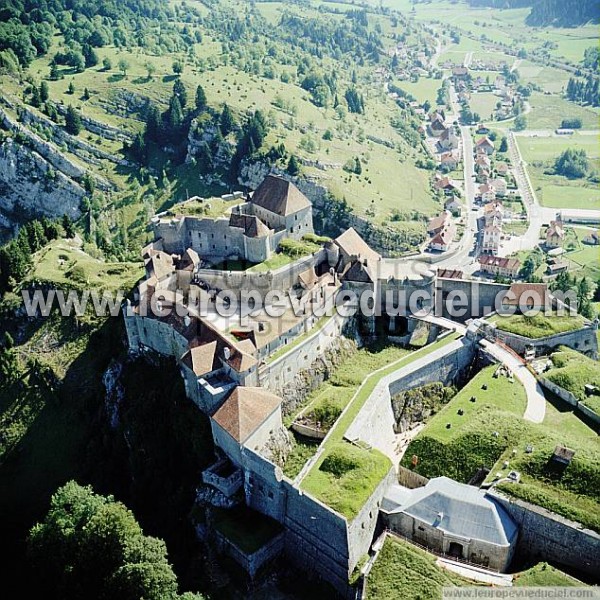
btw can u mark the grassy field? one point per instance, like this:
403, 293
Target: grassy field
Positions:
422, 90
405, 571
470, 443
547, 112
557, 191
504, 26
584, 258
548, 78
484, 104
572, 371
317, 480
64, 263
537, 326
544, 575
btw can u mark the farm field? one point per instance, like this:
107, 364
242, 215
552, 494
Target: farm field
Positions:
503, 26
556, 191
422, 90
483, 103
547, 112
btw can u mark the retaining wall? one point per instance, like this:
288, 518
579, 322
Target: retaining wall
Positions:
570, 399
545, 536
583, 340
375, 422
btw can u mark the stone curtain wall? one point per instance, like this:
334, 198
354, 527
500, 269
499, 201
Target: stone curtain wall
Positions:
316, 537
480, 296
583, 340
375, 422
285, 369
545, 536
570, 399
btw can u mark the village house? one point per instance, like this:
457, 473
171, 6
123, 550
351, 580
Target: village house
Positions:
450, 160
499, 267
556, 267
492, 234
437, 125
453, 205
499, 186
487, 192
555, 234
444, 183
441, 241
502, 168
591, 239
493, 213
437, 224
486, 145
460, 73
448, 140
482, 162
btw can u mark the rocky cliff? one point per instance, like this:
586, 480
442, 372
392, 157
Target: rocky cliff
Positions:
31, 186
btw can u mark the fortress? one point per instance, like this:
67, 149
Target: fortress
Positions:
236, 369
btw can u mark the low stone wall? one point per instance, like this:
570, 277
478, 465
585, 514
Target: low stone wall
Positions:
481, 296
410, 479
310, 432
281, 372
280, 279
569, 398
583, 340
375, 422
546, 536
251, 562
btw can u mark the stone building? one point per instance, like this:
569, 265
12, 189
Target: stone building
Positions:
251, 232
454, 519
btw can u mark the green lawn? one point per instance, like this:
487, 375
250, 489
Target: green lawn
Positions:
548, 78
484, 104
545, 575
572, 371
317, 480
547, 112
422, 90
405, 571
346, 477
585, 259
545, 148
63, 263
557, 191
537, 326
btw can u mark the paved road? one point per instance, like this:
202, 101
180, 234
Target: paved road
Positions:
536, 401
461, 257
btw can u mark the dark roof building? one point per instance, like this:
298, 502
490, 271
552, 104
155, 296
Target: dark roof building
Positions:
279, 196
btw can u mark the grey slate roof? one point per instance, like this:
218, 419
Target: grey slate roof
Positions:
454, 508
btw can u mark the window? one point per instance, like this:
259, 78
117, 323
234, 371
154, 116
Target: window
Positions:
421, 528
